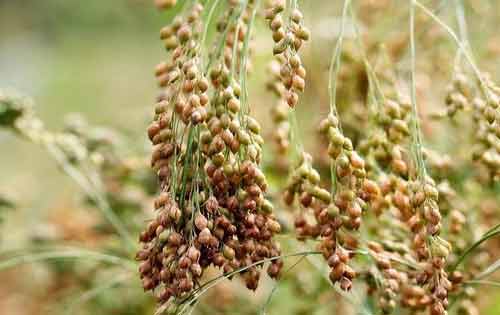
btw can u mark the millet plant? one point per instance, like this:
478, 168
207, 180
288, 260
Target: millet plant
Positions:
392, 223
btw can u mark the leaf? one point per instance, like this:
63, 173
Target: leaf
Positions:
31, 257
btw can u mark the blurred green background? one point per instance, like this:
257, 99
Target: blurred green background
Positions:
93, 57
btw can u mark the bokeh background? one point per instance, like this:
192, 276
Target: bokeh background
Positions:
96, 58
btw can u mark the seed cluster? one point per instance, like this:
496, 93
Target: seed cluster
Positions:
385, 145
429, 247
233, 146
279, 111
410, 207
353, 191
334, 217
485, 104
404, 220
458, 94
288, 38
418, 209
171, 254
350, 173
487, 120
233, 34
304, 184
211, 209
392, 279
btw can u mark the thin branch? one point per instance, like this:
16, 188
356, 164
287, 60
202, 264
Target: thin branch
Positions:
195, 295
236, 14
416, 134
335, 63
244, 62
207, 23
333, 74
275, 287
294, 134
462, 23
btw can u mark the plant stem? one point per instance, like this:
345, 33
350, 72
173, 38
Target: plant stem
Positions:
212, 282
244, 61
332, 87
416, 132
219, 48
469, 250
335, 64
295, 137
489, 270
65, 254
462, 23
275, 287
207, 24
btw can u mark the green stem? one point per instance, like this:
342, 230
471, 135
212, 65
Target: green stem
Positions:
218, 51
275, 287
476, 244
244, 61
462, 23
207, 23
416, 132
332, 86
295, 138
335, 63
210, 283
